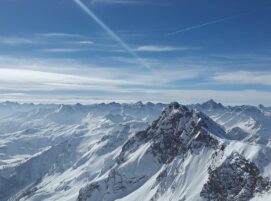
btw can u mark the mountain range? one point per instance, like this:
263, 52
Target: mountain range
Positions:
135, 152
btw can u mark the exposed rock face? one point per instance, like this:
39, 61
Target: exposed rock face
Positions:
176, 131
237, 179
115, 184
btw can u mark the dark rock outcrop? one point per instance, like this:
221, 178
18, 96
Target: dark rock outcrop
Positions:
237, 179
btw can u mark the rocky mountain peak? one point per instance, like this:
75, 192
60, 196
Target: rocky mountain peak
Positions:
174, 105
175, 132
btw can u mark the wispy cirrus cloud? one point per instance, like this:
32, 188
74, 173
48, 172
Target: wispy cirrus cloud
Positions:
86, 42
16, 40
69, 38
65, 80
28, 80
19, 75
44, 38
244, 77
63, 50
61, 35
49, 42
157, 48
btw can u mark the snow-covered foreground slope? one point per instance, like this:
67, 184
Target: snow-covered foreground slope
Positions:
126, 152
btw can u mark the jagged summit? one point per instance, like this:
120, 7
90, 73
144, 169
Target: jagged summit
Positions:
174, 106
177, 112
176, 131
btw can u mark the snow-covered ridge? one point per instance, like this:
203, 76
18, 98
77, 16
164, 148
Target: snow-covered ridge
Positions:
253, 123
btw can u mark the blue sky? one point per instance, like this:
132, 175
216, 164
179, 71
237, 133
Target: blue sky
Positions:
128, 50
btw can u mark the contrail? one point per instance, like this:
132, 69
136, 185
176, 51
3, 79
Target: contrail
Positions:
199, 26
110, 32
211, 22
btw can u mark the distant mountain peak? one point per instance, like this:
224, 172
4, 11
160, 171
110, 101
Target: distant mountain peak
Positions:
211, 104
211, 101
140, 103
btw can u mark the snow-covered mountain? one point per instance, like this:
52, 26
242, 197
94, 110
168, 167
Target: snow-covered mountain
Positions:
133, 152
247, 123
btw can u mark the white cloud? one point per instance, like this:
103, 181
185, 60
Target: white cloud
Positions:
238, 97
166, 75
29, 80
56, 50
22, 79
45, 38
19, 75
61, 35
86, 42
156, 48
128, 60
244, 77
16, 40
